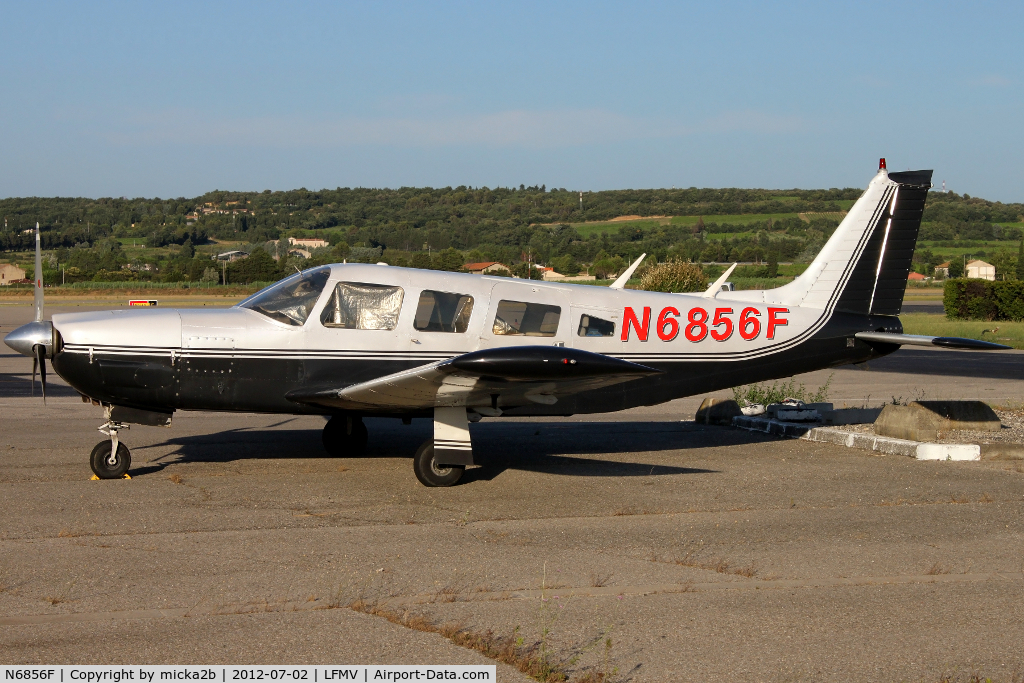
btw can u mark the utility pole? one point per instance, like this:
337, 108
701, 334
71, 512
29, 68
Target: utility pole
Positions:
581, 200
224, 271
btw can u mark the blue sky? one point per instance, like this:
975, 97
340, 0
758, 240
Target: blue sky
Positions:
175, 99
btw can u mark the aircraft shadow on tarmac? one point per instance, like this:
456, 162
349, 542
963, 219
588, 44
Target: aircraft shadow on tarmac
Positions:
19, 384
548, 447
978, 364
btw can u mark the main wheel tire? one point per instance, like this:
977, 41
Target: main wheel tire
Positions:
98, 460
429, 472
342, 440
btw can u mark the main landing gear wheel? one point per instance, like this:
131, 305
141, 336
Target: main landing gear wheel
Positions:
105, 467
429, 472
345, 437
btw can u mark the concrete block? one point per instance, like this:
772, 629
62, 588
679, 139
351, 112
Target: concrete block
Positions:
948, 451
928, 420
851, 416
775, 409
717, 411
867, 442
798, 415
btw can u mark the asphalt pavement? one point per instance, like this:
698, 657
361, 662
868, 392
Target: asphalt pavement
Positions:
697, 552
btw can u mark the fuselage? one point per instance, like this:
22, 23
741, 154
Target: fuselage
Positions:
249, 357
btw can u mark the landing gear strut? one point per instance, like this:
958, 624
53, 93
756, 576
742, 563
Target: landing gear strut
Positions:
442, 460
111, 459
345, 436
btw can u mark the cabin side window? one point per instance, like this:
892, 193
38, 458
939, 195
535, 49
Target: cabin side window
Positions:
291, 300
362, 306
592, 326
443, 312
528, 319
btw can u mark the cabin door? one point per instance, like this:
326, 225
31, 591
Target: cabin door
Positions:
519, 314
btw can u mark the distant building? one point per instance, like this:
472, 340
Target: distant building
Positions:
486, 267
308, 242
231, 255
299, 252
916, 277
9, 273
942, 270
551, 275
980, 270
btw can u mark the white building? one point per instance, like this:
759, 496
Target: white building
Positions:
981, 270
10, 273
308, 242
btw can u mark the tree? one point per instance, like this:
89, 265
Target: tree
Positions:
1020, 260
420, 260
257, 267
772, 270
956, 267
675, 276
450, 259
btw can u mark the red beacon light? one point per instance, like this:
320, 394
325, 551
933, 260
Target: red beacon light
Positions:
881, 164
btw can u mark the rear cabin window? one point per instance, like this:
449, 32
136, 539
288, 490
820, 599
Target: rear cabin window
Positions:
361, 306
591, 326
527, 319
443, 312
291, 300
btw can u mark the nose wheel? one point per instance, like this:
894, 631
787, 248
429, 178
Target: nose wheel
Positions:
345, 436
108, 462
111, 459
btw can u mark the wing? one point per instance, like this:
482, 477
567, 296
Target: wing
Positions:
484, 380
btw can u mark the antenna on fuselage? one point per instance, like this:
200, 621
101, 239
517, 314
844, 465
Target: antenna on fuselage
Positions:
621, 281
716, 286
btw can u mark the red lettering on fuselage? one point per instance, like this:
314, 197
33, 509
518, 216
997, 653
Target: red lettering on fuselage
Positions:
629, 318
774, 321
699, 323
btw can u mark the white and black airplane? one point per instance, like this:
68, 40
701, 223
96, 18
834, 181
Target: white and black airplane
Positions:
350, 341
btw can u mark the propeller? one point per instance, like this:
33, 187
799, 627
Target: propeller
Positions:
39, 361
36, 338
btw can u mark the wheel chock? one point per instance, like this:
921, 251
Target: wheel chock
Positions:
95, 478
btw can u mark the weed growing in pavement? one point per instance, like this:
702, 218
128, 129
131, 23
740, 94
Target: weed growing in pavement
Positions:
975, 677
720, 565
61, 597
776, 392
175, 478
510, 649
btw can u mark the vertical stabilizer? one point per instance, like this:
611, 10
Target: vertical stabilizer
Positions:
863, 267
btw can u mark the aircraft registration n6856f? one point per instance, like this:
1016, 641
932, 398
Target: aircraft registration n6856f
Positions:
357, 340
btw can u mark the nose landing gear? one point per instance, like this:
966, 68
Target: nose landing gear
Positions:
111, 459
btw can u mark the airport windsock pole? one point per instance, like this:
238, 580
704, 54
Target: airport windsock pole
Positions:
39, 279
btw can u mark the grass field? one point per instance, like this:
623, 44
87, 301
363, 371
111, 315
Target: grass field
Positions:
936, 324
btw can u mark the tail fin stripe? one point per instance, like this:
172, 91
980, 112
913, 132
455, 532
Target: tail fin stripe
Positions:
881, 254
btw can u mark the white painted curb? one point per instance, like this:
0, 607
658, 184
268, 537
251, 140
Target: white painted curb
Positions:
869, 442
949, 451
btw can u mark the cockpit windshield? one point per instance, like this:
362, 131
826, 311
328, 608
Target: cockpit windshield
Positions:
291, 300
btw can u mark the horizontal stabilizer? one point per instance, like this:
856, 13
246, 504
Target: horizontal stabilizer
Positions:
925, 340
506, 376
